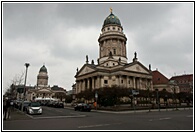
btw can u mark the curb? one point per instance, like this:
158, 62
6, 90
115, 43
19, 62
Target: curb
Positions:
136, 111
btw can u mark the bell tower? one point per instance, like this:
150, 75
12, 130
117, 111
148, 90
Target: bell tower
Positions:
112, 41
42, 77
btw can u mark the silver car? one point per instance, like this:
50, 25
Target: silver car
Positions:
34, 108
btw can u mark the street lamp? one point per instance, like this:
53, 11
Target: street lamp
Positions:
148, 88
96, 97
24, 93
173, 82
165, 101
158, 99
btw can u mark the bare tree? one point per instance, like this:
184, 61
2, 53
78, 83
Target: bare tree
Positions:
18, 79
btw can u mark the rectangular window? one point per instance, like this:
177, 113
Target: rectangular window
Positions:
114, 51
105, 81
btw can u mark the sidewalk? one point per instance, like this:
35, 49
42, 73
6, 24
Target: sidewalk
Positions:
134, 111
17, 115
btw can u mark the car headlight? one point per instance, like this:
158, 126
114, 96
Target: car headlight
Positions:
40, 110
30, 110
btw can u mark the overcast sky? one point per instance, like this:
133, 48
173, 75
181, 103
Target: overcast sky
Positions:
60, 35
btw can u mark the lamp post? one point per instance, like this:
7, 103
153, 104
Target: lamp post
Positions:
165, 101
148, 88
173, 82
158, 99
96, 97
24, 93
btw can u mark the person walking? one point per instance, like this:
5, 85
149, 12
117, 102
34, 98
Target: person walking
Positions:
6, 110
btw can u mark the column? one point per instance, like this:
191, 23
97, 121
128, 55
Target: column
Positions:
88, 83
83, 85
134, 83
93, 85
127, 84
119, 79
98, 82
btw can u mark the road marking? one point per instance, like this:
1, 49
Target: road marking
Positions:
166, 118
52, 117
98, 125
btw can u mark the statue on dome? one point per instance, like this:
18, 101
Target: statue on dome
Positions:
135, 55
111, 10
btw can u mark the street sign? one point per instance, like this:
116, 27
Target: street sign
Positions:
135, 92
96, 95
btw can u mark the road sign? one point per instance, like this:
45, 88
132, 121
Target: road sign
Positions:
135, 92
96, 95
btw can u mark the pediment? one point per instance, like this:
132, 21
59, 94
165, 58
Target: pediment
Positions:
85, 70
137, 68
44, 90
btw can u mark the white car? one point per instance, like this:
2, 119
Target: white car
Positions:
34, 108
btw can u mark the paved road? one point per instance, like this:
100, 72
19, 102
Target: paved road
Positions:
68, 119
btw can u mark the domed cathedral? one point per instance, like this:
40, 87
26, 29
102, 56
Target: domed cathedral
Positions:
42, 90
112, 68
42, 77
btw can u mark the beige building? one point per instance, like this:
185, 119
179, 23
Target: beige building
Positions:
42, 90
113, 68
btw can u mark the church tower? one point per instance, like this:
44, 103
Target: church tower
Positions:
112, 42
42, 78
113, 68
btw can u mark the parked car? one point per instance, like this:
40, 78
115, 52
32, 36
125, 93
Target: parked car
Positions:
17, 103
34, 108
25, 105
50, 104
58, 105
82, 107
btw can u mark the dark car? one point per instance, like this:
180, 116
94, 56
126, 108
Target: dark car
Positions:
82, 107
25, 105
59, 105
50, 104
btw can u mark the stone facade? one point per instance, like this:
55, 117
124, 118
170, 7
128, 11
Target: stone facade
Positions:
112, 68
42, 89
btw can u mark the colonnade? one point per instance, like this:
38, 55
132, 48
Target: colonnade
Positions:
97, 82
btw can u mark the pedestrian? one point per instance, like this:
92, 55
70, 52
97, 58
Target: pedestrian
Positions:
11, 105
4, 108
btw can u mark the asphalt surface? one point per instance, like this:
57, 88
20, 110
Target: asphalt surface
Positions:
65, 119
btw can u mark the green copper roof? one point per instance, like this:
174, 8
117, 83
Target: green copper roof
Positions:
43, 69
111, 19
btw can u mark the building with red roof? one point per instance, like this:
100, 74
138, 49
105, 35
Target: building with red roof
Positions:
185, 82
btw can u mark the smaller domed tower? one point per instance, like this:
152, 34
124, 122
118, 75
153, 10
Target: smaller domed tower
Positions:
42, 77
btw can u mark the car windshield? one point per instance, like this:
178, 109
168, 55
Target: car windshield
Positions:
26, 103
35, 104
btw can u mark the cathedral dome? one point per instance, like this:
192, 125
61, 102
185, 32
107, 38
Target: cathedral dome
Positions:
43, 69
111, 19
